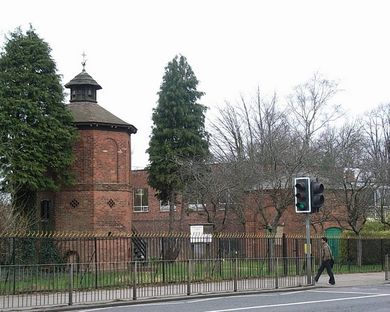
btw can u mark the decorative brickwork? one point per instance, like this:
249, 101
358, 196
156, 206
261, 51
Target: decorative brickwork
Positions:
100, 199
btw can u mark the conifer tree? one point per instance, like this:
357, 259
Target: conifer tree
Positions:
178, 132
36, 132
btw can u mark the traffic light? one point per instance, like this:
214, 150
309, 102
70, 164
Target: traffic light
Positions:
302, 195
317, 198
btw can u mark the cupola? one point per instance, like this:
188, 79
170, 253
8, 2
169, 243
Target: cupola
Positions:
83, 87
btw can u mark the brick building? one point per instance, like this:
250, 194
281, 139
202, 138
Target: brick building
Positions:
109, 197
101, 198
151, 215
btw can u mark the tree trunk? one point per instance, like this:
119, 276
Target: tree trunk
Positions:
171, 212
359, 252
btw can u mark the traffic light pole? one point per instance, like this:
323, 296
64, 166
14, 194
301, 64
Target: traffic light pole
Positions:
308, 250
308, 199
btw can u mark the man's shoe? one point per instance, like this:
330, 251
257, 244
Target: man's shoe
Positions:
332, 283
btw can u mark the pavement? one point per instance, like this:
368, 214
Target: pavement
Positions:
342, 280
353, 279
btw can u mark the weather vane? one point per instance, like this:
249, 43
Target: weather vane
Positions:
84, 60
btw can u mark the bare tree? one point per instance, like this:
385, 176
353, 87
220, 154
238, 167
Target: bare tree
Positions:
377, 131
344, 165
216, 187
311, 114
257, 138
259, 147
10, 220
310, 106
278, 156
232, 145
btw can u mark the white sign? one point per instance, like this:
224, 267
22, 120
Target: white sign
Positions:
197, 235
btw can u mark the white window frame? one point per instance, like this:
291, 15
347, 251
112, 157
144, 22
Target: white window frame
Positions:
227, 203
376, 204
196, 205
142, 208
164, 206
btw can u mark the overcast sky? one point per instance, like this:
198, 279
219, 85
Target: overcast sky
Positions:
232, 46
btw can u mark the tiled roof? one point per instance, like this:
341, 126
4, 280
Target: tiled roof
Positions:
83, 79
88, 113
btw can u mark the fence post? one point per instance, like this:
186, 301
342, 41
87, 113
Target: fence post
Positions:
382, 264
235, 274
276, 273
313, 262
135, 281
96, 262
297, 259
348, 256
285, 259
386, 267
70, 300
189, 274
14, 266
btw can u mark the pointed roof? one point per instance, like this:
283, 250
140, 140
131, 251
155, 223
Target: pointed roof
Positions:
88, 114
85, 110
83, 79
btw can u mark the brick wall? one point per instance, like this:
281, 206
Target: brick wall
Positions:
290, 223
101, 198
155, 220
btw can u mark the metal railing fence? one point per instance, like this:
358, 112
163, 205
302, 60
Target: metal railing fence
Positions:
37, 286
62, 248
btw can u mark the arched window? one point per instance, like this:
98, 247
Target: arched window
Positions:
45, 210
107, 161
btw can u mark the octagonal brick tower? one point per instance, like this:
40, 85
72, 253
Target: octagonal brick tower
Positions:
101, 199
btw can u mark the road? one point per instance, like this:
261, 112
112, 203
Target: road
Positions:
374, 298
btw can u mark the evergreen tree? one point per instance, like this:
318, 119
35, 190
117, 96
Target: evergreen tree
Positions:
178, 133
36, 132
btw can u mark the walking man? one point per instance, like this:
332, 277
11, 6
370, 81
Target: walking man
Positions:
326, 261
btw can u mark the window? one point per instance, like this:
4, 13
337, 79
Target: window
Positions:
45, 210
226, 200
196, 205
164, 206
141, 200
382, 197
380, 203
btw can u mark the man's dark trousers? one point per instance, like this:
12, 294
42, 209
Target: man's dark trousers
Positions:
325, 264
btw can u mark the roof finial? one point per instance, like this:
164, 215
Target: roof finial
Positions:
84, 60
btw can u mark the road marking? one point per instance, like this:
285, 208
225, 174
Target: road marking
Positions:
135, 305
292, 292
180, 302
343, 292
230, 297
298, 303
97, 309
206, 299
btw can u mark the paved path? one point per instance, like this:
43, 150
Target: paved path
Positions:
342, 280
353, 279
